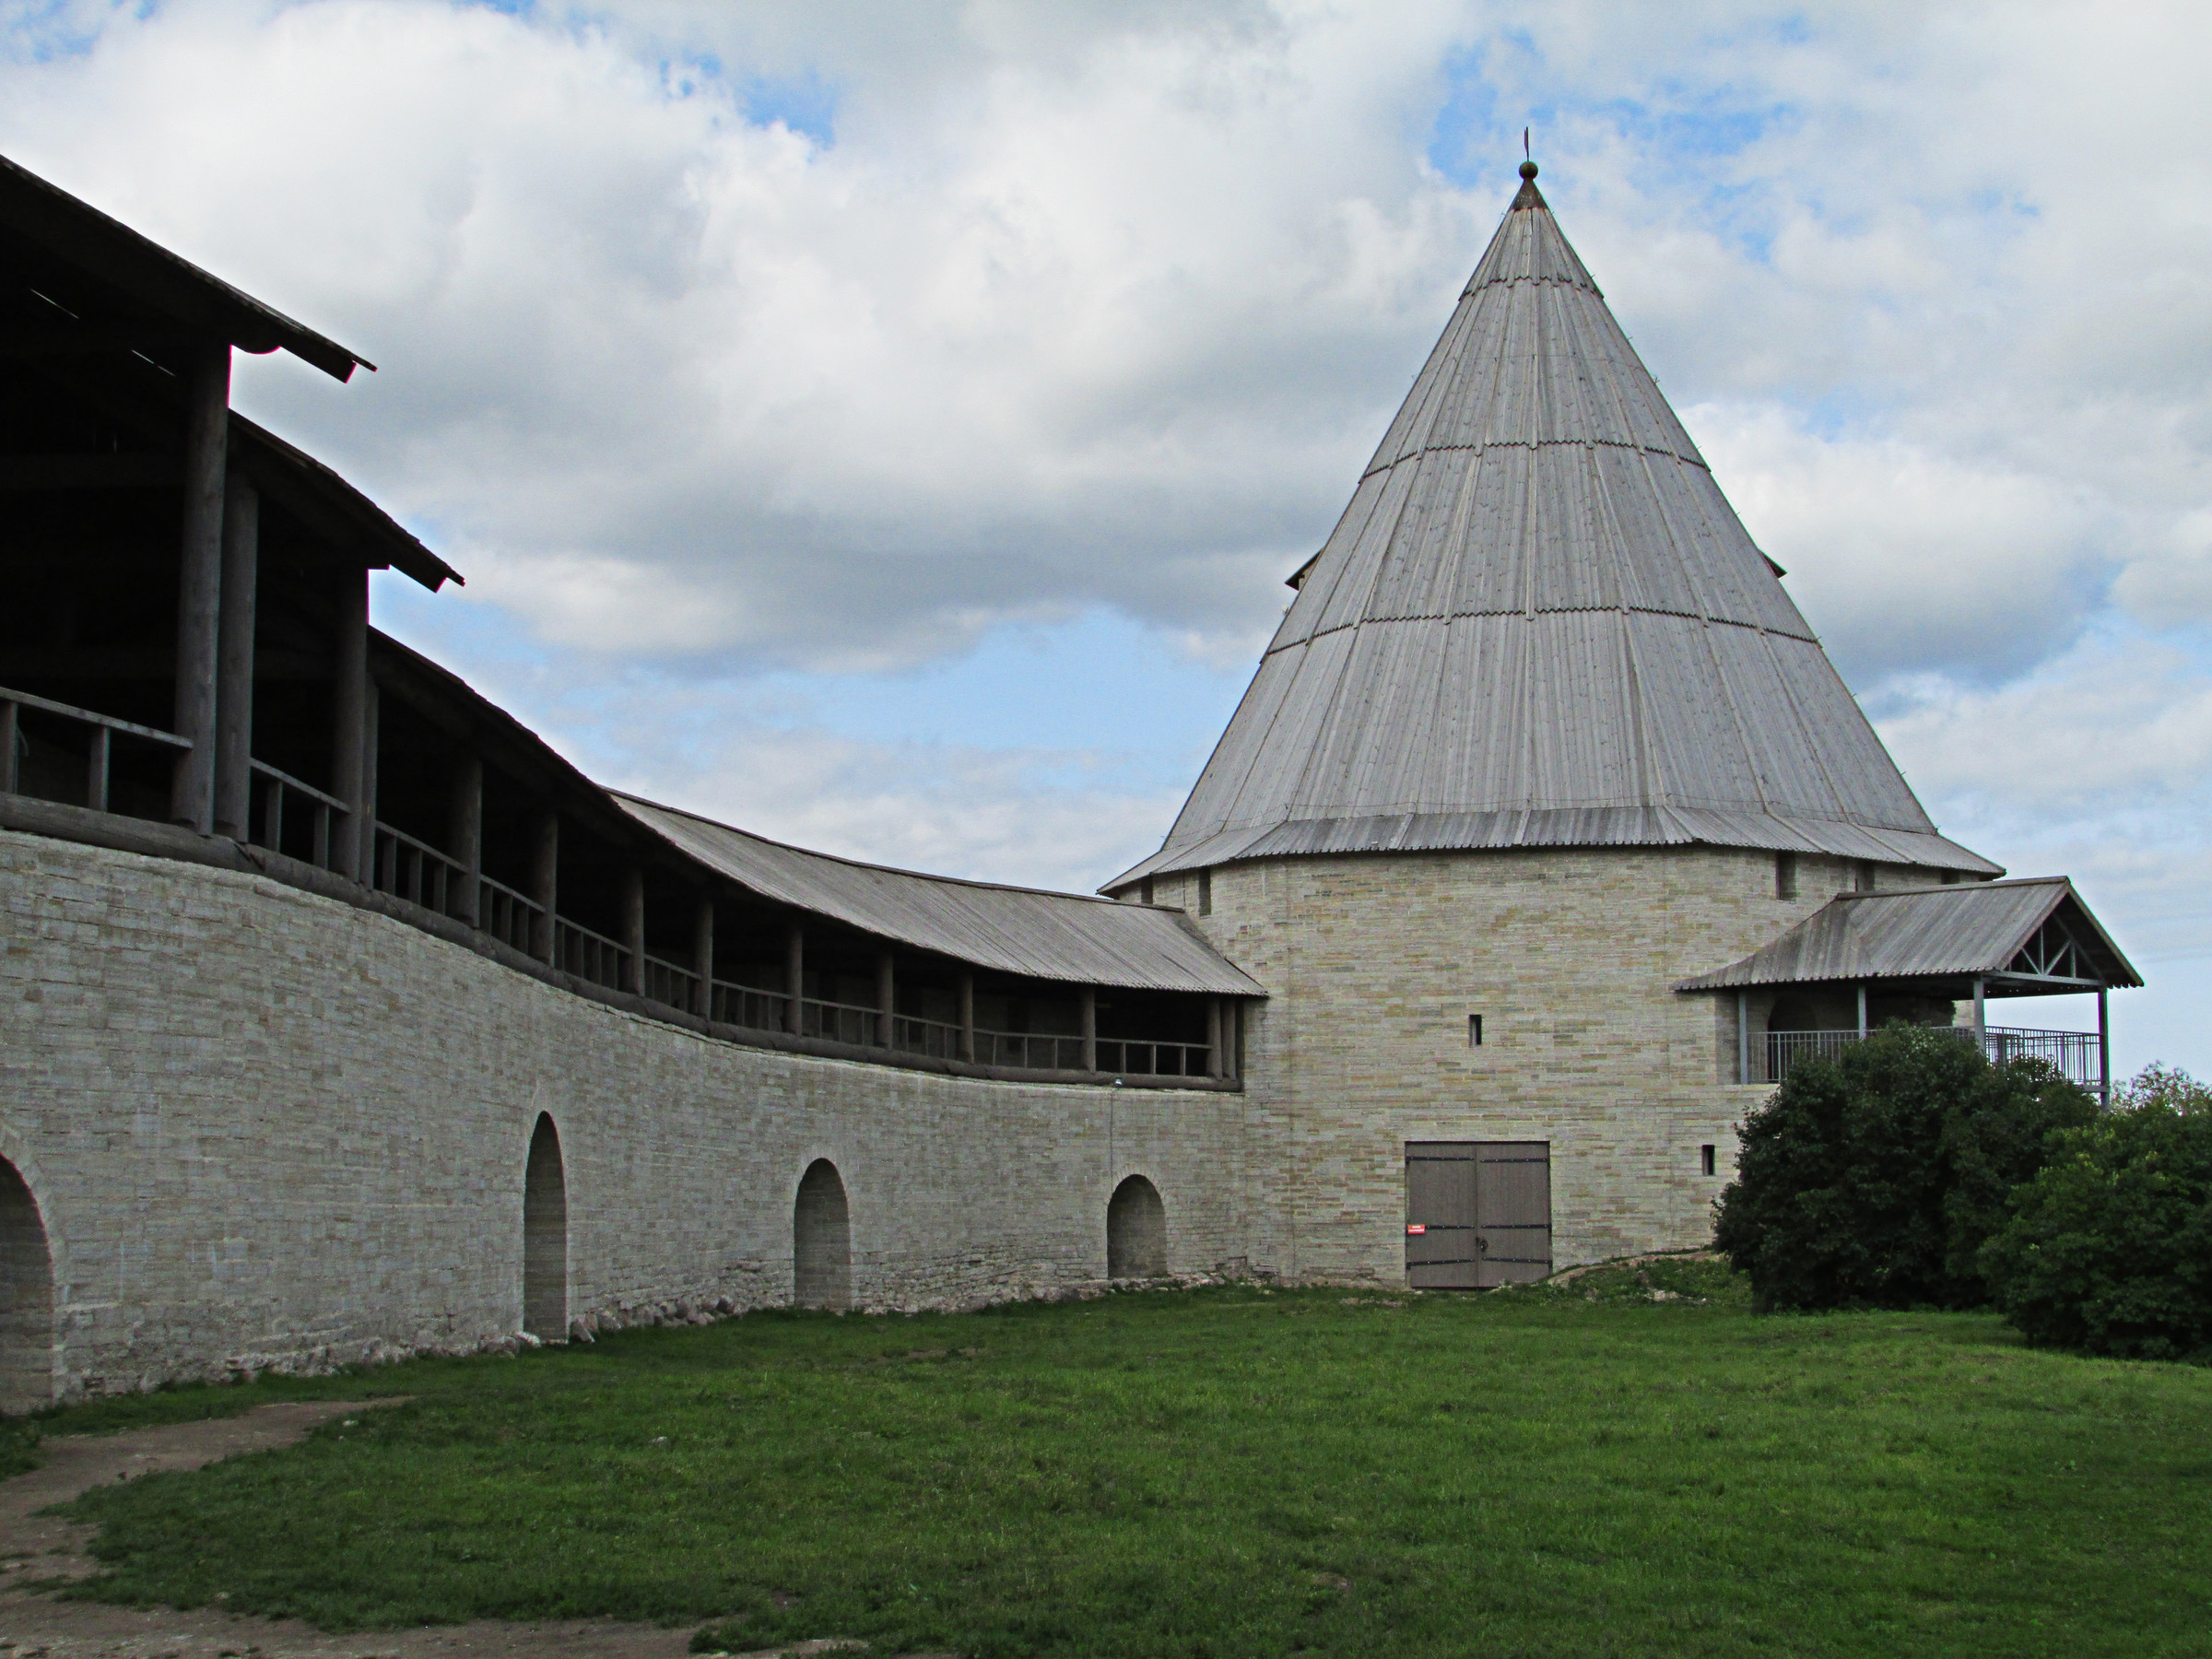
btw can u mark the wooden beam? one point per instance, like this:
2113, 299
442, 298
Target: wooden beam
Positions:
464, 836
968, 1016
1088, 1001
1213, 1036
794, 978
21, 473
545, 883
23, 341
371, 745
2104, 1050
234, 660
887, 1007
633, 929
199, 584
348, 722
702, 955
96, 768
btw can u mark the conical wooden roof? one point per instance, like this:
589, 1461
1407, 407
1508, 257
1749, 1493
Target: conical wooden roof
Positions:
1540, 623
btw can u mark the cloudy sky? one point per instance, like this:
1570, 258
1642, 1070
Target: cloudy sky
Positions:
886, 426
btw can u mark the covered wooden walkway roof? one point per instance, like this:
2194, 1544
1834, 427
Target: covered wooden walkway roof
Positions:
155, 283
1027, 931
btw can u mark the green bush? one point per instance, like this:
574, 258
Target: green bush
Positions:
2110, 1250
1873, 1179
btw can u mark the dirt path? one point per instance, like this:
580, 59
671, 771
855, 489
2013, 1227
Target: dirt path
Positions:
35, 1546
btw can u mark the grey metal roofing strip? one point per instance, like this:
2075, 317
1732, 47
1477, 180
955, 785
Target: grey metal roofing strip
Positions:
1626, 825
1021, 931
1925, 932
1539, 600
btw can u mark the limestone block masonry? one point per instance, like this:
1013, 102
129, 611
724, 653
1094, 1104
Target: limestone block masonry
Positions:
1373, 965
268, 1130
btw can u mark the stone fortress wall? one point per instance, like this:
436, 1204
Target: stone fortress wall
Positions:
1374, 964
266, 1129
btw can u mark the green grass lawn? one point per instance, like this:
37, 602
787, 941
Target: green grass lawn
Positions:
1233, 1472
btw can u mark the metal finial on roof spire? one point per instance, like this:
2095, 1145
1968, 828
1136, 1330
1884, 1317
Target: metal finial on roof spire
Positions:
1528, 169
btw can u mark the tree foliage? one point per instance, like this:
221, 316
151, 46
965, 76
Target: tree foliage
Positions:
1873, 1179
2110, 1250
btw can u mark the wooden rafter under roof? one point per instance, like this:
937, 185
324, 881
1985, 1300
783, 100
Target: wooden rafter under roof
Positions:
2031, 938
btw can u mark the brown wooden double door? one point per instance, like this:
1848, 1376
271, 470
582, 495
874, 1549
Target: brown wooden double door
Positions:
1478, 1214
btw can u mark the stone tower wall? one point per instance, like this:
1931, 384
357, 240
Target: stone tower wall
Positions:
266, 1129
1373, 963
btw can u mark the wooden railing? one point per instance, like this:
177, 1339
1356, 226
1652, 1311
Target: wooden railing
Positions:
588, 955
837, 1022
508, 916
747, 1006
272, 786
415, 871
1153, 1059
666, 982
99, 741
410, 868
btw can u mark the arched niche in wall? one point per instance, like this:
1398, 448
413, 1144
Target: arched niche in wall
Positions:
821, 1240
545, 1236
26, 1299
1136, 1231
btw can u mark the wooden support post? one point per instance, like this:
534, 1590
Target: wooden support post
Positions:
235, 661
1862, 1011
464, 838
8, 718
199, 583
96, 768
702, 955
1213, 1036
1981, 1023
968, 1016
887, 994
1743, 1037
372, 713
1088, 1007
545, 883
633, 929
348, 720
2104, 1050
794, 978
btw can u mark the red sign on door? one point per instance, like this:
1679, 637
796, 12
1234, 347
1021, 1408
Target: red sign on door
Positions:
1415, 1227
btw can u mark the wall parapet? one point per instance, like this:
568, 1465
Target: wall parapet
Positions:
59, 821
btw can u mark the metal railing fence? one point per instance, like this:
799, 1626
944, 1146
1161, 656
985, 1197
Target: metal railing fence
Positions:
2076, 1055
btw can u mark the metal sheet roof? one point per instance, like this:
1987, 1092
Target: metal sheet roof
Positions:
1046, 936
1974, 929
1540, 623
155, 277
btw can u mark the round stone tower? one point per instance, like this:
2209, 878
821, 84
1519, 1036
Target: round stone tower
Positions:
1541, 737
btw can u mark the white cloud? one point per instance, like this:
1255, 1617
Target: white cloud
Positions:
1901, 555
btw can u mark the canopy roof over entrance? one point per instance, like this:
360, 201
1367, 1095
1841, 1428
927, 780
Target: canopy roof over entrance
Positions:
1540, 623
2019, 938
